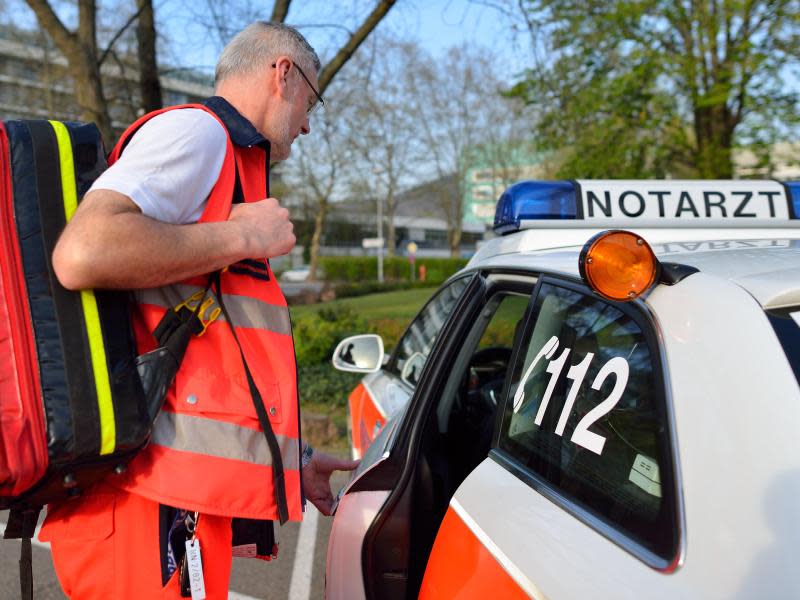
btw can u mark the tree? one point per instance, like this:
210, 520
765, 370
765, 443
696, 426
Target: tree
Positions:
642, 88
460, 107
382, 127
85, 58
149, 84
81, 51
318, 174
225, 19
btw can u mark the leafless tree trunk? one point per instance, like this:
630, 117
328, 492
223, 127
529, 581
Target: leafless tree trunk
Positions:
317, 173
382, 126
80, 49
463, 119
149, 84
316, 238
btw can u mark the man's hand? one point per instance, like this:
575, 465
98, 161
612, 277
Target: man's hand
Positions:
317, 479
265, 227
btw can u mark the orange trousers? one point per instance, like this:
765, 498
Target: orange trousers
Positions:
105, 546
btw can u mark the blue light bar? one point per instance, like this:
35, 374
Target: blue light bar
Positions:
794, 195
617, 203
536, 200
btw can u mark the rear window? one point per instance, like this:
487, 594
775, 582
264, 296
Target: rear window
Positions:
586, 415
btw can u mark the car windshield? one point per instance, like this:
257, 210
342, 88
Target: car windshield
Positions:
786, 323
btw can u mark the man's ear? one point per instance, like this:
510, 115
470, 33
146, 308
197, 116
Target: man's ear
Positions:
279, 75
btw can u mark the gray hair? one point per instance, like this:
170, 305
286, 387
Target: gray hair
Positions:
259, 44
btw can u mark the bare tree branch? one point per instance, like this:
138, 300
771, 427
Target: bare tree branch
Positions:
66, 41
501, 7
280, 10
219, 28
119, 34
325, 26
80, 50
349, 48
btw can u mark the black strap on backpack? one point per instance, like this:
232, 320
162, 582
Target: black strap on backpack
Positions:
158, 367
26, 569
22, 525
274, 449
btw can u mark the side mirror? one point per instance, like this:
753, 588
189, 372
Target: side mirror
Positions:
412, 368
359, 354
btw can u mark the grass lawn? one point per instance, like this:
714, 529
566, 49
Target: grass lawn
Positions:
402, 305
323, 391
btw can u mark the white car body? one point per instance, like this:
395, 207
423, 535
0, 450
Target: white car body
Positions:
722, 489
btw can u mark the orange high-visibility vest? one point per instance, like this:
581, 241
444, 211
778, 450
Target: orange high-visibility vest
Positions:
208, 452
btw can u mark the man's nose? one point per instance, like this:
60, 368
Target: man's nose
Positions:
305, 129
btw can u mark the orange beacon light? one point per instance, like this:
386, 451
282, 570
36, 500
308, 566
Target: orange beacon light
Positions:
618, 265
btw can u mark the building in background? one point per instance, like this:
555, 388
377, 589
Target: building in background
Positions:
782, 164
418, 219
35, 82
490, 169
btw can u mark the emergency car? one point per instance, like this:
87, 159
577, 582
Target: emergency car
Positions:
583, 413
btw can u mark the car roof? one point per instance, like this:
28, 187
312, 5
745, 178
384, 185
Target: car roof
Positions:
765, 262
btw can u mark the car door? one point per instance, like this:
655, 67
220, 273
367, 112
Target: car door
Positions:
389, 514
361, 502
384, 394
578, 496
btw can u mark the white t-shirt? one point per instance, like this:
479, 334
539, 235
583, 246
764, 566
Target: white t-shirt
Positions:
170, 165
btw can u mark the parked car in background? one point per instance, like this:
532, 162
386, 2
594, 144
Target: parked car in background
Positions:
297, 275
588, 412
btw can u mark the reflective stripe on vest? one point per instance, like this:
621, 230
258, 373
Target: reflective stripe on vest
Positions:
245, 311
188, 433
207, 450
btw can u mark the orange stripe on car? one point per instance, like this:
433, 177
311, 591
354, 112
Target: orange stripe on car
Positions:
367, 419
461, 567
355, 400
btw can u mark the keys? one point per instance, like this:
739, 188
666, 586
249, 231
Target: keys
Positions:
192, 582
195, 569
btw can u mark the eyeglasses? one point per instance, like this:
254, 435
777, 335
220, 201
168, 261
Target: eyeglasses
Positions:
320, 101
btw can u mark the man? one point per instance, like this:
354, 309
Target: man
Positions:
160, 221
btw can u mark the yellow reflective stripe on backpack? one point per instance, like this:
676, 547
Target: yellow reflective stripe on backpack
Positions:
91, 315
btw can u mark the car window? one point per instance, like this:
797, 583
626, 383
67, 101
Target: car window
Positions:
472, 395
786, 323
585, 413
459, 434
416, 343
504, 322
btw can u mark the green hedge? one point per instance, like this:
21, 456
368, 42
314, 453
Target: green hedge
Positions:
351, 290
316, 336
322, 384
360, 269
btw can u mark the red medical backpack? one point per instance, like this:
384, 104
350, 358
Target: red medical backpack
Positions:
72, 405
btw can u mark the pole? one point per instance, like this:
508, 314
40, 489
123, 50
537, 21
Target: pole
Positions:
380, 237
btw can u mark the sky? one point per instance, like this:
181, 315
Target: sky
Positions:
436, 24
441, 24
